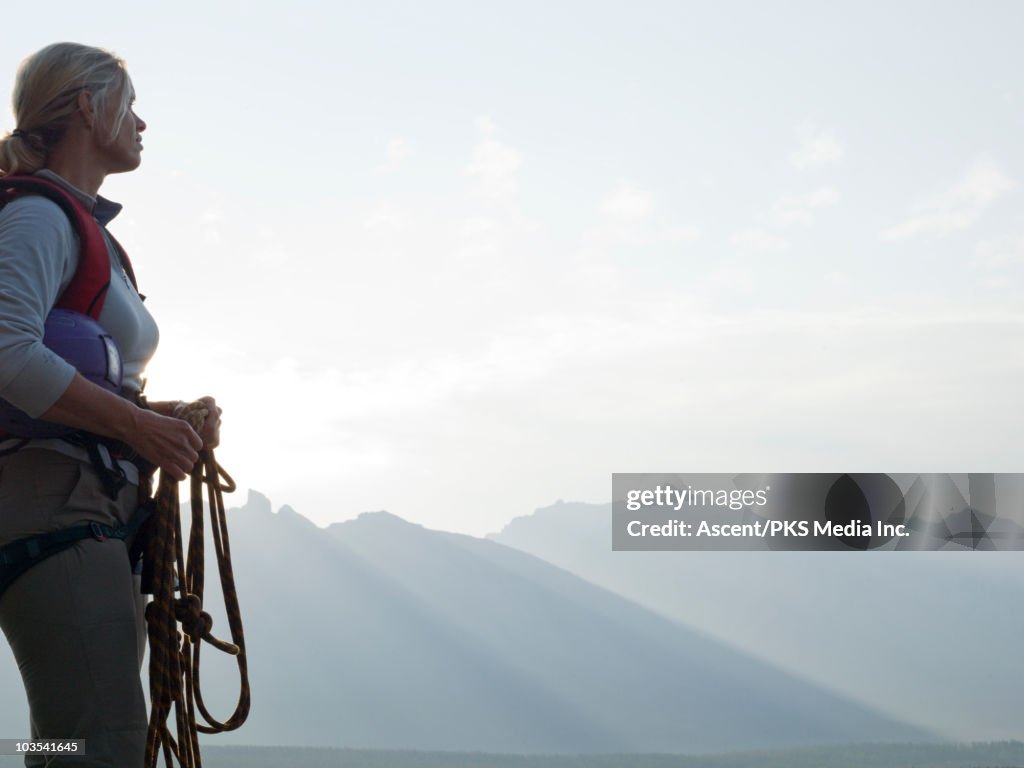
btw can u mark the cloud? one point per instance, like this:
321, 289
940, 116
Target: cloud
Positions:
210, 222
383, 217
818, 148
495, 166
683, 234
732, 281
627, 204
477, 225
630, 217
838, 279
957, 208
990, 255
397, 150
759, 240
785, 213
798, 210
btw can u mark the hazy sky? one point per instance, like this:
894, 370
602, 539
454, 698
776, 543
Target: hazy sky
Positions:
459, 260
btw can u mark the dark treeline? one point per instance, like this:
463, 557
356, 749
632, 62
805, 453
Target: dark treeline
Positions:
978, 755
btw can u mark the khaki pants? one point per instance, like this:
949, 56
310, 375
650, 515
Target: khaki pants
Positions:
74, 621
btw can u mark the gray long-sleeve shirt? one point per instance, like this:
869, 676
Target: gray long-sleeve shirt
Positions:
38, 257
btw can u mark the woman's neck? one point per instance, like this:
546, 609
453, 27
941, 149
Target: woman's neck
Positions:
76, 166
76, 157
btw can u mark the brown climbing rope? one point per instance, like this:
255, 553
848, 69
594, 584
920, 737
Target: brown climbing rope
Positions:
174, 654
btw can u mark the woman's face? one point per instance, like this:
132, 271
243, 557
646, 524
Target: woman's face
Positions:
124, 152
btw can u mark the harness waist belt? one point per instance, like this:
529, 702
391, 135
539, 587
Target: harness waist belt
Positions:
18, 556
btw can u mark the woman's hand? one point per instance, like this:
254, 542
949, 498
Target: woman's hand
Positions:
209, 429
168, 443
165, 442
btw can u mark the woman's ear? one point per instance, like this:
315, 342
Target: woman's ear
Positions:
84, 102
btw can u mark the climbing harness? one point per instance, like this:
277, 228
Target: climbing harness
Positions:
174, 656
177, 585
18, 556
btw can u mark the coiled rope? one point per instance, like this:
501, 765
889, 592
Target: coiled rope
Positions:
174, 654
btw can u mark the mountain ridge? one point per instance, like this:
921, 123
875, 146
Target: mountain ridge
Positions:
378, 633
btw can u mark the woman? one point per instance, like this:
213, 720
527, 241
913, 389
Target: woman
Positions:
74, 620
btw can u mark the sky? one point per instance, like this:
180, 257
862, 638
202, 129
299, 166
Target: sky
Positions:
460, 260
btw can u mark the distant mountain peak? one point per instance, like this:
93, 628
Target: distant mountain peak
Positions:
380, 520
566, 513
288, 513
257, 503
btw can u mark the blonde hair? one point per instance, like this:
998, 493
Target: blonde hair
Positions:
45, 97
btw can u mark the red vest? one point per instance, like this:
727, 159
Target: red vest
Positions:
88, 287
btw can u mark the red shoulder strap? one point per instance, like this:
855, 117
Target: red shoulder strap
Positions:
88, 288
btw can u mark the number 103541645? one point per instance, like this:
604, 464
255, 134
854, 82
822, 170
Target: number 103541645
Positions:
42, 746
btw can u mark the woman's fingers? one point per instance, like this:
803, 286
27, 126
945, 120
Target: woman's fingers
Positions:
168, 443
211, 427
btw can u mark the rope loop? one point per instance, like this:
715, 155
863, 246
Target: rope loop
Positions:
195, 622
174, 681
